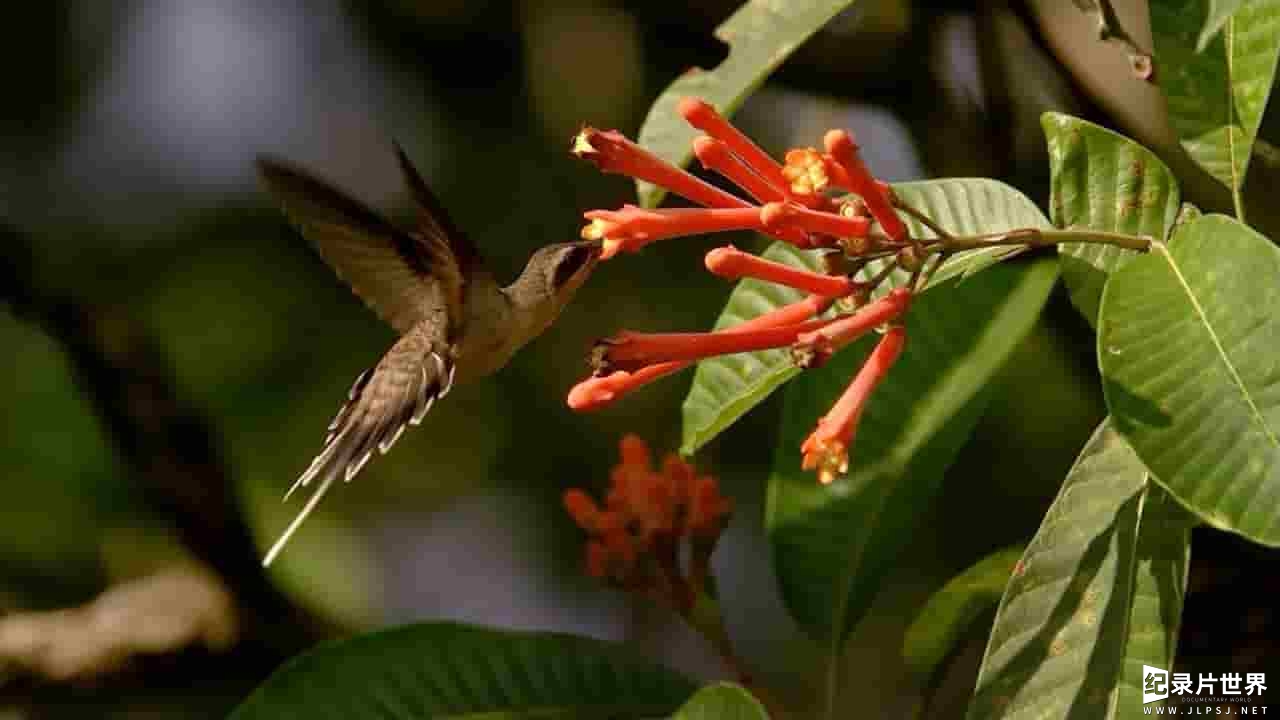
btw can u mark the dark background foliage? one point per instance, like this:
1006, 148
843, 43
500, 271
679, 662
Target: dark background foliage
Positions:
126, 166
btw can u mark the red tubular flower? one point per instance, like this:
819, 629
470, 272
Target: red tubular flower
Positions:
631, 228
731, 263
827, 447
715, 155
853, 174
704, 117
634, 351
780, 216
612, 152
814, 347
796, 312
596, 392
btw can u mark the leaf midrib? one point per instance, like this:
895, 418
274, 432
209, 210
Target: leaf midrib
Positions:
1236, 379
1229, 34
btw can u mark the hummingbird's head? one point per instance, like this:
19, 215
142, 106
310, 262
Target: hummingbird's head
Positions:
565, 266
551, 277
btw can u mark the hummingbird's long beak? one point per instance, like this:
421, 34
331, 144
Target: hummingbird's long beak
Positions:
597, 244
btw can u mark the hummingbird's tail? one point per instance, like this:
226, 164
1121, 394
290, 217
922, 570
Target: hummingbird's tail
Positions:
382, 402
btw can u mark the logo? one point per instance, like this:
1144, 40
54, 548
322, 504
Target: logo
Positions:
1155, 684
1230, 693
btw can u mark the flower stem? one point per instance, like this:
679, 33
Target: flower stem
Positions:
923, 218
1035, 237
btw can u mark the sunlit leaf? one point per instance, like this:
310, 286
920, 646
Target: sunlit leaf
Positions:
1187, 344
1097, 594
1219, 12
443, 670
1216, 96
760, 35
1101, 180
722, 702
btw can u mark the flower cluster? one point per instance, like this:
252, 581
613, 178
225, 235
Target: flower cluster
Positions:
636, 537
796, 201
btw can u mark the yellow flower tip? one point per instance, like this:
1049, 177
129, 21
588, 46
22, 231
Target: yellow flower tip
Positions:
829, 457
599, 229
595, 230
581, 146
805, 171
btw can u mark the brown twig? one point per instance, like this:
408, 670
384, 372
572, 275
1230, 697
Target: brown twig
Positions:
158, 614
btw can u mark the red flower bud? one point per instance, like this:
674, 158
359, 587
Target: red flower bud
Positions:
853, 174
704, 117
612, 152
582, 509
715, 155
731, 263
709, 510
780, 216
634, 451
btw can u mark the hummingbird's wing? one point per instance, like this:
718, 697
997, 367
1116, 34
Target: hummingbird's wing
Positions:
395, 393
434, 220
404, 277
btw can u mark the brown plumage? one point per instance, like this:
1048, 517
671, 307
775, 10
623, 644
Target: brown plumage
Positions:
430, 284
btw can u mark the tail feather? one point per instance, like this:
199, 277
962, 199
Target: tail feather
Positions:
381, 403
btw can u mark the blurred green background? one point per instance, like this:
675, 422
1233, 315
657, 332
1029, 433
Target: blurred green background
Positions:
126, 157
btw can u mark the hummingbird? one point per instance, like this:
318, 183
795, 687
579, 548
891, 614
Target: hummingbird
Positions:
429, 283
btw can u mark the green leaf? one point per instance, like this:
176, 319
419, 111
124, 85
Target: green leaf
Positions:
950, 611
725, 701
1159, 584
726, 388
760, 35
1187, 344
833, 544
1219, 12
1097, 594
444, 670
1216, 97
1101, 180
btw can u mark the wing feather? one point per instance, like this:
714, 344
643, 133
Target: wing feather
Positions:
433, 219
396, 273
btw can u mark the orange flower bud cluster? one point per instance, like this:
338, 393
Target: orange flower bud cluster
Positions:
636, 537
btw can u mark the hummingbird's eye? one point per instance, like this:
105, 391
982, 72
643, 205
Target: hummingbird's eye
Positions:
570, 263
